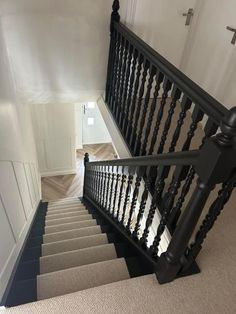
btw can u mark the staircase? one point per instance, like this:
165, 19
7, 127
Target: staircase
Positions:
70, 248
142, 220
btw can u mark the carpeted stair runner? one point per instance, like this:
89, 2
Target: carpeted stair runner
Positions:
70, 248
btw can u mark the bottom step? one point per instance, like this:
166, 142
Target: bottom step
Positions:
80, 278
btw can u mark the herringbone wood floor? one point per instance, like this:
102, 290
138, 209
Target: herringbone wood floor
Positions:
72, 185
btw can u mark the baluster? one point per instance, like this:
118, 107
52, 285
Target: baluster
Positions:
119, 79
167, 205
123, 113
134, 99
119, 112
112, 189
107, 189
159, 80
121, 194
160, 181
139, 175
104, 186
152, 210
116, 74
197, 116
144, 110
185, 105
210, 219
141, 208
97, 185
129, 89
113, 68
166, 88
116, 192
127, 194
133, 138
176, 93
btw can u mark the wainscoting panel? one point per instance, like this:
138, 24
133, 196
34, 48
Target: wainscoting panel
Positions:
11, 198
23, 187
30, 184
7, 242
19, 198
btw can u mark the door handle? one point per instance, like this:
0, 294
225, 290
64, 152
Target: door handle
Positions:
233, 41
188, 15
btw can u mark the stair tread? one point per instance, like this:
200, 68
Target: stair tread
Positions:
74, 244
69, 214
70, 234
64, 211
80, 278
64, 220
70, 226
52, 208
52, 263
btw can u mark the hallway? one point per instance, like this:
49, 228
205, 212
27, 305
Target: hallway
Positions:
72, 185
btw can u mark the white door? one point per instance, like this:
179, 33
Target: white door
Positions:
210, 59
94, 127
161, 24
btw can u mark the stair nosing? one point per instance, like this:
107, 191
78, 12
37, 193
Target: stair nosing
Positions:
68, 252
66, 218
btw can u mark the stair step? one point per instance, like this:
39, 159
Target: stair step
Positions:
80, 278
67, 214
70, 234
76, 258
74, 244
65, 210
63, 200
70, 205
65, 220
70, 226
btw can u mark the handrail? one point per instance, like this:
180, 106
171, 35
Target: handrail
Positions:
168, 159
209, 104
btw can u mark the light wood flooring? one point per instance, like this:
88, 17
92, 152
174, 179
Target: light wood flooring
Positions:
72, 185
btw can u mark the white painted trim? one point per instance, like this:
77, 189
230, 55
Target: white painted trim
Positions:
7, 270
117, 139
90, 143
58, 173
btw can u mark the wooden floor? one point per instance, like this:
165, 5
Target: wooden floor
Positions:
72, 185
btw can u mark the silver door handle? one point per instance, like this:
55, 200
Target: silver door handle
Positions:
188, 15
233, 41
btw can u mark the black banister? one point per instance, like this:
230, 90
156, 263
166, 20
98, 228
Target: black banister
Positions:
169, 159
209, 104
149, 198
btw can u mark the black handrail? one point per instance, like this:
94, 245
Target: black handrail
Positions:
208, 104
169, 159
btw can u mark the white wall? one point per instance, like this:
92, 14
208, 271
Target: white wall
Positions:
78, 126
54, 128
19, 177
58, 49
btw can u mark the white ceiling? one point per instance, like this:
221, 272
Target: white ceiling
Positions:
57, 49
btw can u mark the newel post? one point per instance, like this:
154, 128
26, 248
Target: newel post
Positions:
115, 17
86, 160
216, 163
